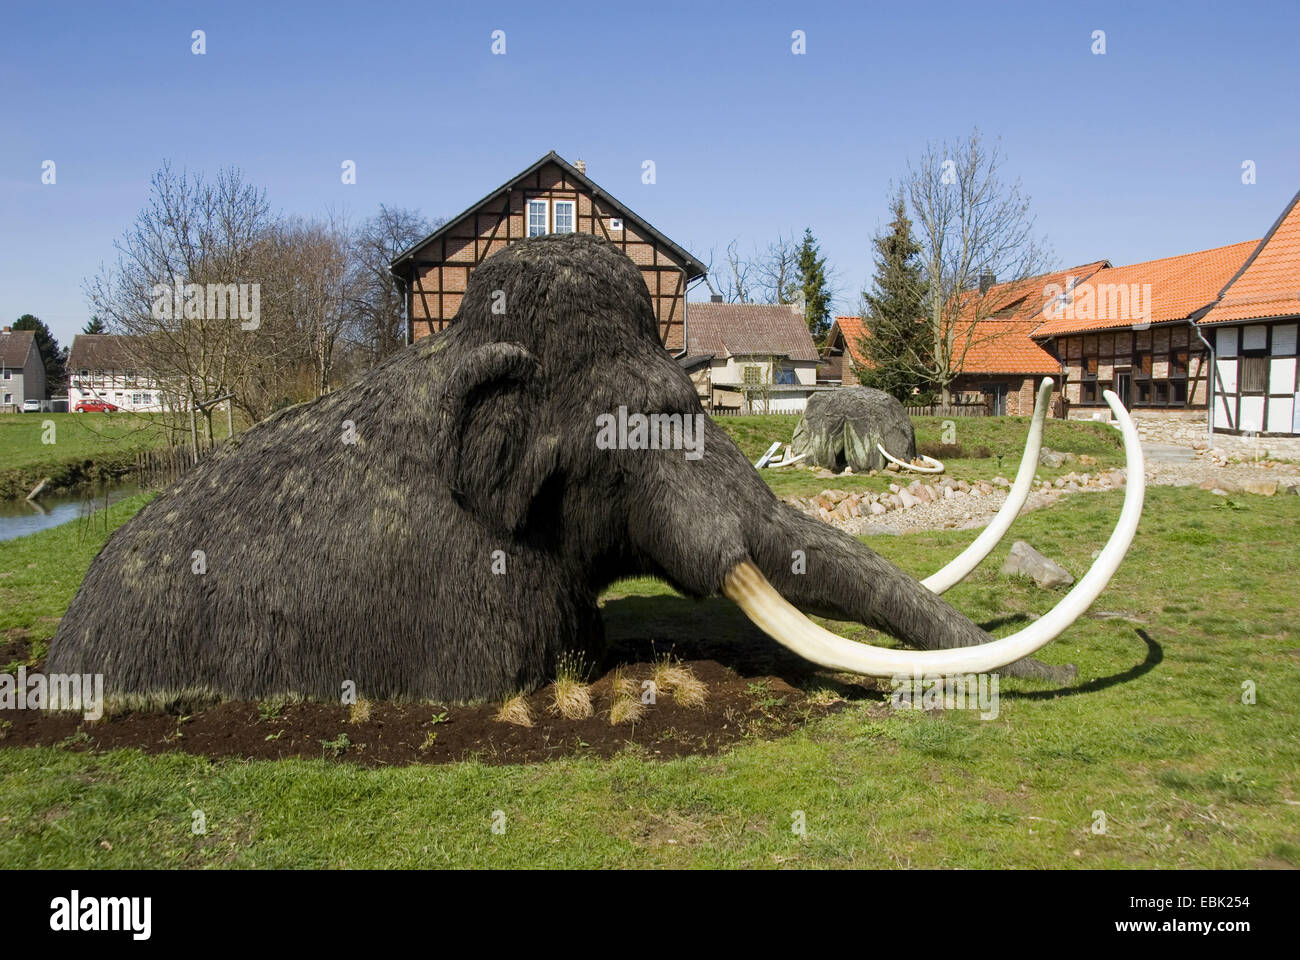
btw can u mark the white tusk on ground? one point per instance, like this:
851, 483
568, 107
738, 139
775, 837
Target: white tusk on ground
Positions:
786, 463
776, 617
970, 558
935, 465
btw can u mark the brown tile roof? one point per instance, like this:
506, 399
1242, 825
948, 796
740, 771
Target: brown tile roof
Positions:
1180, 286
748, 329
14, 347
102, 351
1269, 284
1001, 346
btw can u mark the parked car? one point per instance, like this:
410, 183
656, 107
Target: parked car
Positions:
94, 406
31, 406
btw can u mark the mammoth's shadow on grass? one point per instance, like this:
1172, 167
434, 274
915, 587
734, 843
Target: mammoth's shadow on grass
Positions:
643, 628
640, 628
1155, 654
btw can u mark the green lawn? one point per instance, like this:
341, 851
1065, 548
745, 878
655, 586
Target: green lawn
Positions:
1155, 735
79, 447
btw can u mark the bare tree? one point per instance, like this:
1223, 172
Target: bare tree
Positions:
969, 224
777, 269
734, 285
769, 276
377, 309
182, 284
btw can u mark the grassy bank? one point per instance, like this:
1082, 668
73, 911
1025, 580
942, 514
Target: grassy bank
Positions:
76, 448
1155, 737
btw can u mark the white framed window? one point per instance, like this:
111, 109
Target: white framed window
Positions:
615, 224
537, 217
564, 216
9, 398
9, 374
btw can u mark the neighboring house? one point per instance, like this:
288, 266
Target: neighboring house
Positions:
22, 372
760, 358
1003, 365
1133, 329
1252, 328
842, 357
103, 366
997, 358
551, 196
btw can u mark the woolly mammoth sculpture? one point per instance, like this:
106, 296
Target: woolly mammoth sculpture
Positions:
857, 427
442, 529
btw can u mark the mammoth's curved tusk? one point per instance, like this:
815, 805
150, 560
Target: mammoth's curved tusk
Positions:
786, 463
970, 558
776, 617
936, 466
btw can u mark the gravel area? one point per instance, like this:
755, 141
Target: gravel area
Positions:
975, 509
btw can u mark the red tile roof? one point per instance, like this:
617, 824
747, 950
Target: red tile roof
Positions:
1001, 346
1024, 299
748, 329
1179, 286
854, 330
1269, 284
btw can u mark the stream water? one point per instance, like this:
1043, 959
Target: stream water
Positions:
18, 518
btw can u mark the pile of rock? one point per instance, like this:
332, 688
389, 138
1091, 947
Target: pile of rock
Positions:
1259, 487
832, 504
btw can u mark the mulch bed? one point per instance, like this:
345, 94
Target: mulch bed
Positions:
752, 698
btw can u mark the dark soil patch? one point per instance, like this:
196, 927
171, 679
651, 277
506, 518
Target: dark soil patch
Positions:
397, 734
756, 690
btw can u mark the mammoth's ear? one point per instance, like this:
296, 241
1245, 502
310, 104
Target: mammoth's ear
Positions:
493, 460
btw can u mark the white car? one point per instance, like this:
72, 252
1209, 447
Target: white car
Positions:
31, 406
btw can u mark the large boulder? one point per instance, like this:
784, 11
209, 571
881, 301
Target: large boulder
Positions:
841, 428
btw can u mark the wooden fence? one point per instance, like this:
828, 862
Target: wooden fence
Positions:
166, 465
979, 409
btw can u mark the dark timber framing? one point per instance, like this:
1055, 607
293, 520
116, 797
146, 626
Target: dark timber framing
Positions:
436, 270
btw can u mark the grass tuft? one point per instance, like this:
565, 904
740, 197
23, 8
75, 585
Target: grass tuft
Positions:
517, 711
687, 689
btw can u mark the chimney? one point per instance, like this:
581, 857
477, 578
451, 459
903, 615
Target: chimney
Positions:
580, 166
987, 279
713, 298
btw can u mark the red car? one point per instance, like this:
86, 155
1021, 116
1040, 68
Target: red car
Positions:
93, 406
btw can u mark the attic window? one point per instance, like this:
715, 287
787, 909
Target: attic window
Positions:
564, 216
1010, 309
537, 218
615, 224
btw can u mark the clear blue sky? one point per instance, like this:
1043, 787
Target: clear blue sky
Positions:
1132, 155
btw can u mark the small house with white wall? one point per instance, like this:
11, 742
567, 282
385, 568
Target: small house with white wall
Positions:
751, 358
103, 366
22, 372
1252, 328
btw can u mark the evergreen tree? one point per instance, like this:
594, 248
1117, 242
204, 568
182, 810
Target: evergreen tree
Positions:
813, 285
52, 356
95, 325
897, 343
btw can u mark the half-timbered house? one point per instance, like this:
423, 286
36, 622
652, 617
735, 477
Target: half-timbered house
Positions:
551, 196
